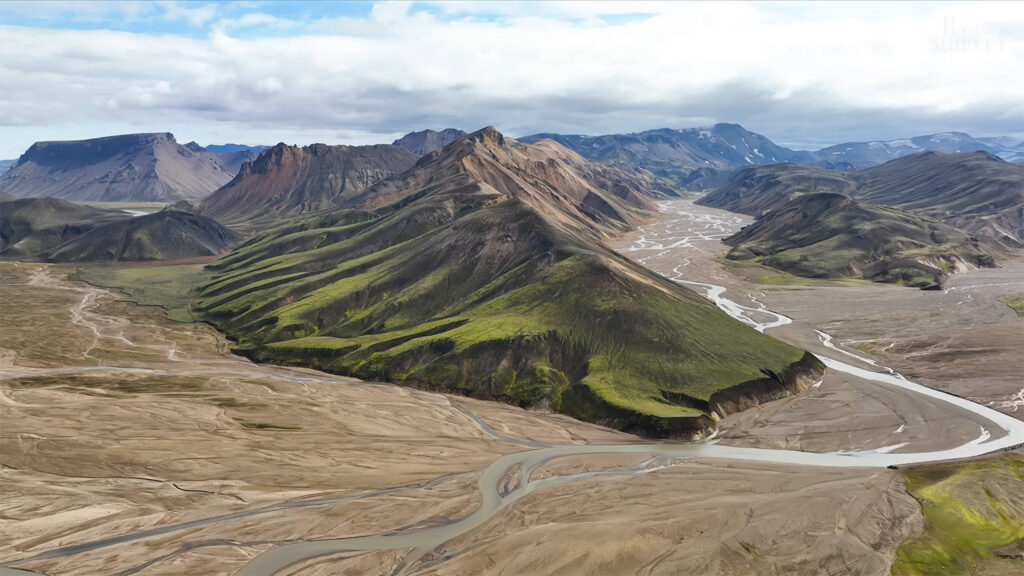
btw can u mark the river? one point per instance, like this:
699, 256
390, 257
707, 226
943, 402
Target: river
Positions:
680, 227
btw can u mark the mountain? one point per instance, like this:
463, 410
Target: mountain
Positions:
865, 154
286, 181
481, 271
128, 168
164, 235
5, 165
426, 141
233, 148
30, 227
234, 155
694, 158
974, 191
760, 189
829, 235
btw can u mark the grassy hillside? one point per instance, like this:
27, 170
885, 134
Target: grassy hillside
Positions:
482, 271
832, 236
168, 286
974, 520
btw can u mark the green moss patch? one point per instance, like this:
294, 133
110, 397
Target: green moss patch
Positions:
974, 513
170, 287
1016, 302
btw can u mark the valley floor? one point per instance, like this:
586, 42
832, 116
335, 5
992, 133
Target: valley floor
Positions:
131, 444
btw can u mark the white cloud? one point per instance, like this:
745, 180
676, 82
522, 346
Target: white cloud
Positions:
827, 71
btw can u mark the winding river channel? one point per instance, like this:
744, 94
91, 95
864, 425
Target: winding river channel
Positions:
680, 226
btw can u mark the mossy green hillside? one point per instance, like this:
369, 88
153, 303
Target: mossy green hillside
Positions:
974, 519
831, 236
489, 299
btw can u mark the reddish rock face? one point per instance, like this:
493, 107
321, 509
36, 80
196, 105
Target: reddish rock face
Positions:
286, 181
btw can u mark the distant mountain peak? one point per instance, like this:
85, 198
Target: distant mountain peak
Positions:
426, 141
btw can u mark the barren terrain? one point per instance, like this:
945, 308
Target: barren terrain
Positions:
135, 445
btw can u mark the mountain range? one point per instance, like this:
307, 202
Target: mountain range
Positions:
865, 154
482, 270
973, 191
153, 167
703, 158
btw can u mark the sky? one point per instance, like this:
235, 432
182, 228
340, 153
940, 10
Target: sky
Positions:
806, 75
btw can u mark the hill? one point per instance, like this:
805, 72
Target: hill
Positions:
829, 235
426, 141
32, 226
127, 168
164, 235
481, 271
694, 158
975, 191
760, 189
285, 181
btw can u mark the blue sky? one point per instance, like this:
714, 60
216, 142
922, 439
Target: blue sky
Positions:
804, 74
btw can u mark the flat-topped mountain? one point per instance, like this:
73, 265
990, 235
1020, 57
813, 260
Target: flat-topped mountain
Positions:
426, 141
285, 181
830, 235
127, 168
974, 191
481, 271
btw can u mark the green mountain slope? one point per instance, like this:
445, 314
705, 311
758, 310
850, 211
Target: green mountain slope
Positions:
827, 235
481, 271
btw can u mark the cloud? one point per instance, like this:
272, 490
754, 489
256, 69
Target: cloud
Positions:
816, 74
194, 15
